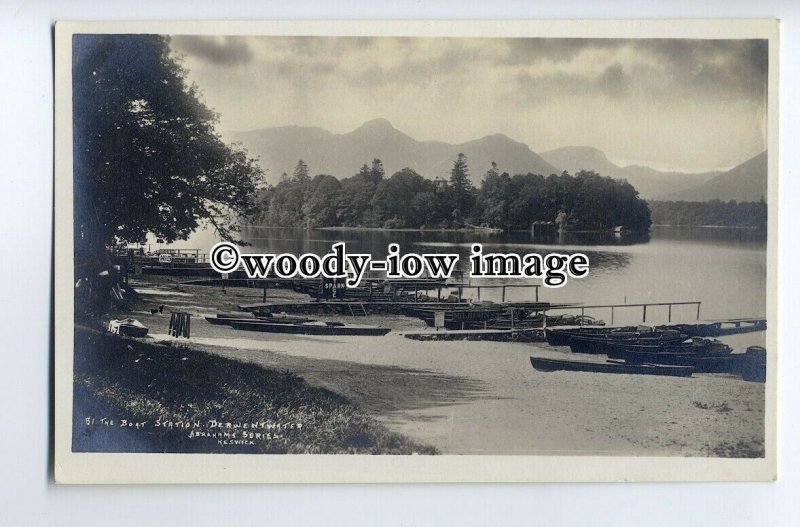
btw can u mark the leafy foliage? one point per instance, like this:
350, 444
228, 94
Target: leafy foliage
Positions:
407, 200
147, 159
460, 193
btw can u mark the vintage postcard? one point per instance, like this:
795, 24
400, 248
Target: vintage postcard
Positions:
416, 251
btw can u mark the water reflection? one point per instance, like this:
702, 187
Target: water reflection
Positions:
587, 238
721, 236
297, 241
723, 268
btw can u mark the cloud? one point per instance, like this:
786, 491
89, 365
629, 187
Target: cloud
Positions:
727, 67
221, 51
532, 50
681, 103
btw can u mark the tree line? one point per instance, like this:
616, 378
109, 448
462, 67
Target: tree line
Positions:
715, 212
407, 200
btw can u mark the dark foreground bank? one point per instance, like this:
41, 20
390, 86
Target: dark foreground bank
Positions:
134, 396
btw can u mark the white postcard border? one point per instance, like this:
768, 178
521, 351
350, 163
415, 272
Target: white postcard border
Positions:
73, 467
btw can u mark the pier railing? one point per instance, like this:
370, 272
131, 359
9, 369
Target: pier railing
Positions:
644, 307
469, 285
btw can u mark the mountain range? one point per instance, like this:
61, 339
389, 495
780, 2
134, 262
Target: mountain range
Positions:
651, 183
744, 182
342, 155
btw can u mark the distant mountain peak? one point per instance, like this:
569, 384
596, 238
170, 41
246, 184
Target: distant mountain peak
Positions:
744, 182
586, 152
377, 124
498, 138
342, 154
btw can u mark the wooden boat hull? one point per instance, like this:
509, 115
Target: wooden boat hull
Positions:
697, 347
498, 335
543, 364
133, 331
562, 336
218, 321
310, 329
597, 345
720, 328
702, 363
227, 320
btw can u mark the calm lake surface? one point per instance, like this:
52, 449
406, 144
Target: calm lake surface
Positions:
725, 269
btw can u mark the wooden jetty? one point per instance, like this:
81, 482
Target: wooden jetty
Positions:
353, 308
457, 315
560, 336
454, 318
643, 306
720, 328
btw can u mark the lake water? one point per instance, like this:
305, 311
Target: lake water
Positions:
725, 269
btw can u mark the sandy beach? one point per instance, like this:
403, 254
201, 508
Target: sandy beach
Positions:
484, 397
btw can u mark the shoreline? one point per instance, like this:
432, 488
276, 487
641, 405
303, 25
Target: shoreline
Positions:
168, 395
477, 397
732, 227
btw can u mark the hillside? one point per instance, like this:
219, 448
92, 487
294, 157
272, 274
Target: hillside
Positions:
651, 183
745, 182
341, 155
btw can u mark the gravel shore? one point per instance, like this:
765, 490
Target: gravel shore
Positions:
484, 397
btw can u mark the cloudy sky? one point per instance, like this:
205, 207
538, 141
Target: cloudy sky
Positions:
689, 105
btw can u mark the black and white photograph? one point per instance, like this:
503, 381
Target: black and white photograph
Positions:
461, 251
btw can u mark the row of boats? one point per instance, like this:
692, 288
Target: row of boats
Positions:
631, 350
654, 351
290, 324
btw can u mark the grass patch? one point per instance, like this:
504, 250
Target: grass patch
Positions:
134, 396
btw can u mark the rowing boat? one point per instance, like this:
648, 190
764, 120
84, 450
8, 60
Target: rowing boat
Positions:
499, 335
310, 328
548, 365
607, 343
225, 319
702, 363
696, 346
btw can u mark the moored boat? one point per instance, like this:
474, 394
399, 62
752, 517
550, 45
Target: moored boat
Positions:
311, 328
731, 363
606, 343
720, 328
543, 364
696, 346
226, 319
562, 336
500, 335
